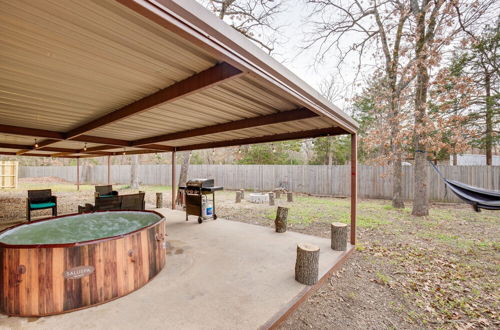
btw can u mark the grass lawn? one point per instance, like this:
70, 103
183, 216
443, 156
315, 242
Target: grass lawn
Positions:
440, 271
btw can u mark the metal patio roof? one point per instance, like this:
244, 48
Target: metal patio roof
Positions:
145, 75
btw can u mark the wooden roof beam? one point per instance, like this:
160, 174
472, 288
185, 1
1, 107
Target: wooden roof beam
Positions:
274, 118
267, 138
200, 81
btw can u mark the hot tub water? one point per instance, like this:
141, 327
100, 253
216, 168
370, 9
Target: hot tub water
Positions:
79, 228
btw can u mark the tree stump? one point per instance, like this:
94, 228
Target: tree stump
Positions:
307, 263
339, 236
289, 197
277, 193
242, 193
281, 219
159, 200
238, 197
271, 198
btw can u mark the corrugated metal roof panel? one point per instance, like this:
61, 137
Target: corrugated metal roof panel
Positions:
85, 58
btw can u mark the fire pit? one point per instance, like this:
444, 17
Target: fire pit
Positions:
258, 198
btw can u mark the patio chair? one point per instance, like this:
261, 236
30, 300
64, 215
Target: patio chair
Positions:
133, 202
39, 200
105, 191
123, 202
107, 203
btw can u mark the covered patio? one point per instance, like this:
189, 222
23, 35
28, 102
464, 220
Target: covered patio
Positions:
219, 275
104, 78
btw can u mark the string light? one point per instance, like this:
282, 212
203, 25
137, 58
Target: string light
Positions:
85, 147
36, 144
213, 152
274, 148
239, 150
123, 153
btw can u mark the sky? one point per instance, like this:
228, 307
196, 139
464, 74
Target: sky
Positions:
293, 22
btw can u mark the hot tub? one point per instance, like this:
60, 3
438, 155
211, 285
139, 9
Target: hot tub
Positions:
60, 264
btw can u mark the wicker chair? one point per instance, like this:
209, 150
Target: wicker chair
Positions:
122, 202
39, 200
133, 202
105, 191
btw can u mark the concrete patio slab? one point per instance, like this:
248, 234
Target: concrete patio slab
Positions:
219, 275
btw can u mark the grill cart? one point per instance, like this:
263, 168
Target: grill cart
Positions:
197, 192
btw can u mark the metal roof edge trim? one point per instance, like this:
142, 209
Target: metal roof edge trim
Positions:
195, 22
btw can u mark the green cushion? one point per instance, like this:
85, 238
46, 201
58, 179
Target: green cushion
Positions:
42, 205
106, 195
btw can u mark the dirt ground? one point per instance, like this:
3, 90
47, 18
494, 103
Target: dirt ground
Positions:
440, 271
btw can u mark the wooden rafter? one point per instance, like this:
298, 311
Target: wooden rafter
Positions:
267, 138
200, 81
274, 118
215, 75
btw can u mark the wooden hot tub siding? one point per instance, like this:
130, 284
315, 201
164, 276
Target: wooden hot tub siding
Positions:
32, 282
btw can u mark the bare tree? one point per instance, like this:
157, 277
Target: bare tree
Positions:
367, 28
252, 18
407, 40
436, 25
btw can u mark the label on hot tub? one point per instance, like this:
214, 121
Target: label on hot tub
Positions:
78, 272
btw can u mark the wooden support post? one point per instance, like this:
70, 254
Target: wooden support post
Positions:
271, 199
289, 197
238, 197
354, 185
242, 193
159, 200
307, 263
174, 181
281, 219
109, 169
339, 236
78, 174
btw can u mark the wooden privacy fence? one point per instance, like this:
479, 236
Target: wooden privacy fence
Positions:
374, 181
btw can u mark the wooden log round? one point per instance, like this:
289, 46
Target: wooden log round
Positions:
159, 200
238, 197
271, 199
339, 236
307, 264
281, 219
277, 194
289, 197
242, 193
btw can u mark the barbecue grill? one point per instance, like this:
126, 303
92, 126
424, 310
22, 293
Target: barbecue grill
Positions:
197, 192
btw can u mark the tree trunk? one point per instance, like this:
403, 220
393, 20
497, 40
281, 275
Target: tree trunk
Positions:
397, 185
277, 193
242, 193
306, 264
289, 197
420, 192
134, 172
184, 169
339, 236
488, 143
281, 219
159, 200
271, 199
455, 159
238, 197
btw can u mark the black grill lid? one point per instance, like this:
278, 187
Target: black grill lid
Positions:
203, 183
